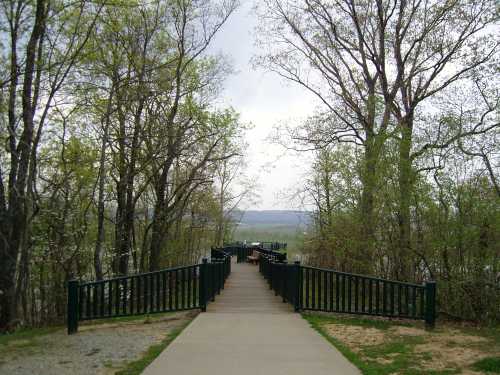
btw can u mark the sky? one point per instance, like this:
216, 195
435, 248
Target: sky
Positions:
263, 99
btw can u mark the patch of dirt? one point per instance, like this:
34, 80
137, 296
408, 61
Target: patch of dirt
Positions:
450, 349
355, 336
408, 331
96, 349
446, 348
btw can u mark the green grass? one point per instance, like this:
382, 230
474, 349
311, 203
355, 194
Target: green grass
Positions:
131, 318
136, 367
398, 353
27, 335
488, 365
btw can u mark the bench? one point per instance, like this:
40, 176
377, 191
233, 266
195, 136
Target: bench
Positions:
254, 258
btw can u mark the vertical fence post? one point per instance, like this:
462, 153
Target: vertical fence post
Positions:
203, 285
72, 306
297, 286
430, 304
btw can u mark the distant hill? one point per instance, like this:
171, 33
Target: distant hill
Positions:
273, 217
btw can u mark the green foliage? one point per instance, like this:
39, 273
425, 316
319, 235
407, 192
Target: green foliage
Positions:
488, 365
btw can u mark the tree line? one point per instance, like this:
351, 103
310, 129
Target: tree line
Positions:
405, 179
115, 157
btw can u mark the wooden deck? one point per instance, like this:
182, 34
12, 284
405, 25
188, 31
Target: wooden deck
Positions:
246, 291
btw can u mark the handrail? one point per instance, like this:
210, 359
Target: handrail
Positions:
171, 289
321, 289
82, 283
364, 276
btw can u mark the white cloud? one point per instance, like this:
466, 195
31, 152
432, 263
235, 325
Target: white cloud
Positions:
263, 99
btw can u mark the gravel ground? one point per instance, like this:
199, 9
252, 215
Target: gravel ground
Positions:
95, 349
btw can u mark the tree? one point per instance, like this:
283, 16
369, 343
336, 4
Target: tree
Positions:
36, 71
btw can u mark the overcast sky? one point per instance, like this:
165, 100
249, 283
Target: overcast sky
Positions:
263, 99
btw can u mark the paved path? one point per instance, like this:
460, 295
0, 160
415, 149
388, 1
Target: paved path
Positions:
249, 331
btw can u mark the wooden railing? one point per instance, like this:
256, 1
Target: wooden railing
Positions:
319, 289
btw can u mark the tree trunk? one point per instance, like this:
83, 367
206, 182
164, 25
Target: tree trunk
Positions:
369, 181
14, 220
405, 180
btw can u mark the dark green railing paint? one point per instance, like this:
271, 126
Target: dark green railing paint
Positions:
173, 289
319, 289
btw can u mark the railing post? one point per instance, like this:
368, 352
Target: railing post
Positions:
430, 304
284, 281
72, 306
203, 285
298, 286
271, 275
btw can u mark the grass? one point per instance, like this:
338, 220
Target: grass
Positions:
397, 354
27, 336
136, 367
130, 318
490, 364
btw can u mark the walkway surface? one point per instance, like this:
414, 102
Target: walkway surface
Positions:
249, 331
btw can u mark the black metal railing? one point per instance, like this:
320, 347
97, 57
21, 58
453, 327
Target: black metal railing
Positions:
243, 250
318, 289
173, 289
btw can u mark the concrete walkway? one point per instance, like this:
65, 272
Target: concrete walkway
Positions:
249, 331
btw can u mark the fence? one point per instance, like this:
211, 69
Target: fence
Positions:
173, 289
233, 248
318, 289
245, 251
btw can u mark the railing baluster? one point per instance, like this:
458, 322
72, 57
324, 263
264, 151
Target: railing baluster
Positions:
337, 290
318, 275
117, 297
133, 281
94, 300
392, 299
330, 285
102, 284
158, 290
325, 291
414, 302
138, 293
183, 280
313, 292
400, 304
151, 293
384, 297
370, 296
307, 287
87, 312
163, 291
176, 293
407, 301
422, 313
189, 274
124, 296
356, 293
349, 297
145, 288
195, 286
342, 280
170, 290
